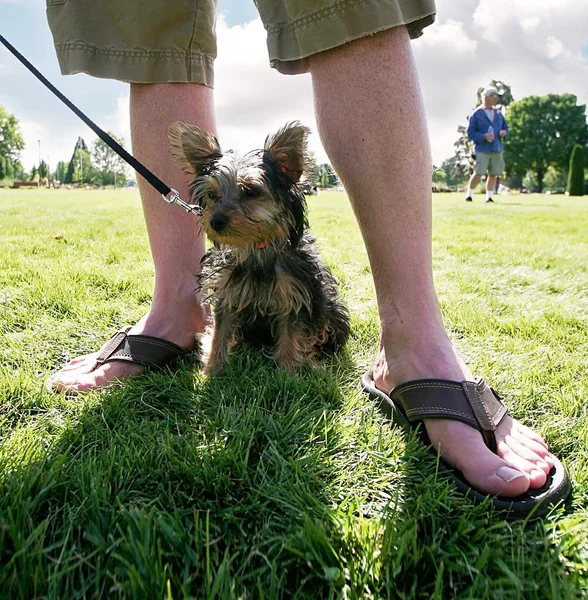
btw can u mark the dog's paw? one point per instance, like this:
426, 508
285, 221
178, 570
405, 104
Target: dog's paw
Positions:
213, 367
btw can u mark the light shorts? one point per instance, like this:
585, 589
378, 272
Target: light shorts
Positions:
489, 162
156, 41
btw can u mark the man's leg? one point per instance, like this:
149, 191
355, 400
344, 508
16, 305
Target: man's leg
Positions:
176, 314
490, 187
472, 185
382, 157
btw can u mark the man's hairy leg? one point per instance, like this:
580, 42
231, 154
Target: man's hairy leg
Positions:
176, 314
474, 181
381, 153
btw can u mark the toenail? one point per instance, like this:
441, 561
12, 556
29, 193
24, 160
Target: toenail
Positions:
507, 474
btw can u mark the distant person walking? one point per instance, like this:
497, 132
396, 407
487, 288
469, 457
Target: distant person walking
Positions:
487, 128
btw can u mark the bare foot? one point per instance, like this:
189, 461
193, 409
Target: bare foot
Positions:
522, 461
79, 375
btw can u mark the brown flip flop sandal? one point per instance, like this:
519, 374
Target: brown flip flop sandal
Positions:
477, 405
144, 350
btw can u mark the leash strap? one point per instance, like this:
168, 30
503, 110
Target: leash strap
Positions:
170, 195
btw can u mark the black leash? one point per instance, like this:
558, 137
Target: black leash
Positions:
170, 195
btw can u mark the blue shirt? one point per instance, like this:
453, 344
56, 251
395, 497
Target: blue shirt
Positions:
478, 127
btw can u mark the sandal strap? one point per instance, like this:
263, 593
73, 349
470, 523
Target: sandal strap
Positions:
144, 350
471, 402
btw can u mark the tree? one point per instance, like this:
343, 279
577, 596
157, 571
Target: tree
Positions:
108, 166
313, 170
11, 145
43, 170
463, 158
6, 168
543, 131
505, 98
576, 175
328, 176
79, 169
60, 171
439, 176
555, 179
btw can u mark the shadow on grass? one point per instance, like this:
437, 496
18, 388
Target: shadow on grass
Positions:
254, 483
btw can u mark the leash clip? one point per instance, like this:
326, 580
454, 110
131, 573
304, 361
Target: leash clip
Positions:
173, 197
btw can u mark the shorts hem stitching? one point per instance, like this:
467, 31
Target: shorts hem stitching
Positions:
149, 54
321, 13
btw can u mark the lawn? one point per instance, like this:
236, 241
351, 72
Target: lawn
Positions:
257, 484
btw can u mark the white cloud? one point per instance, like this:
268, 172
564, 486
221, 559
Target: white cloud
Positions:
120, 122
554, 47
52, 151
450, 36
252, 99
530, 24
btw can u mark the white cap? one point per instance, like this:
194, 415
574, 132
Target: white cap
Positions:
489, 91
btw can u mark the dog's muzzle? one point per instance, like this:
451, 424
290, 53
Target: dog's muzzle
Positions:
218, 222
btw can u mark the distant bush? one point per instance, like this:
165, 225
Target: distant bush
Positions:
576, 174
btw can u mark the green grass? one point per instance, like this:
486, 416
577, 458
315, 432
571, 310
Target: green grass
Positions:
257, 484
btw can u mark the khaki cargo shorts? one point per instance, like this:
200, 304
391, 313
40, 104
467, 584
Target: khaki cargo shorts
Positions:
155, 41
489, 162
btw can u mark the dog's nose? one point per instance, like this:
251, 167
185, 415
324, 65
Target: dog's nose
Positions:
218, 222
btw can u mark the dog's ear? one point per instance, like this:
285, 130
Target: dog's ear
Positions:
288, 147
193, 150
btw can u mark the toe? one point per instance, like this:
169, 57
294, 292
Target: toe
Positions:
490, 474
525, 461
534, 443
533, 451
105, 375
464, 448
526, 451
85, 362
522, 431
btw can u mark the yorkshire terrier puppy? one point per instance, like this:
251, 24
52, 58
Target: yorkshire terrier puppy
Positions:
263, 276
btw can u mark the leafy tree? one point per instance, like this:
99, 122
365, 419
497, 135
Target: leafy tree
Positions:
108, 166
438, 175
11, 144
463, 158
454, 171
314, 171
328, 176
554, 178
6, 168
60, 171
34, 173
504, 100
79, 169
576, 177
43, 170
83, 170
529, 181
20, 174
543, 131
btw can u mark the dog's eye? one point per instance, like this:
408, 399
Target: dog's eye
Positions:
211, 196
251, 193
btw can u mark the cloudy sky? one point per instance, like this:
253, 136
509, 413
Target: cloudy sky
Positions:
537, 47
